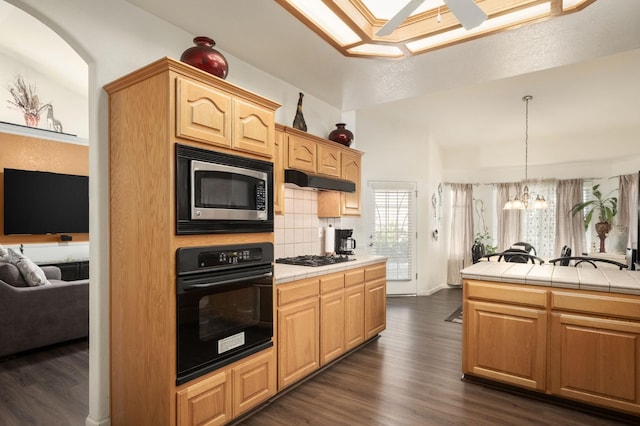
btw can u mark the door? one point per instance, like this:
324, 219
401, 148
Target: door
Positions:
393, 233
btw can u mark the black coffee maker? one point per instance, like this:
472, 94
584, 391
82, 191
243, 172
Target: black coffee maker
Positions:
345, 244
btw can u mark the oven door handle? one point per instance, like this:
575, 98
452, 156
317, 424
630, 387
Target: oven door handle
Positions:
193, 287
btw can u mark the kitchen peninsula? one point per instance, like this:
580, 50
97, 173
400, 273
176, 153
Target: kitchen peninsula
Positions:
567, 332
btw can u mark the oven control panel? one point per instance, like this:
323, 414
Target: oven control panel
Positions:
211, 258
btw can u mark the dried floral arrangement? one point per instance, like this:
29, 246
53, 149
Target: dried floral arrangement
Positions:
25, 99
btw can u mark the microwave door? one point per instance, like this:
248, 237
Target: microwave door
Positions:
222, 192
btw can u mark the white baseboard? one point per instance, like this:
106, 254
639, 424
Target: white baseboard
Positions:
104, 422
432, 290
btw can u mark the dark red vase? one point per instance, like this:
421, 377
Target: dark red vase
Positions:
205, 57
341, 135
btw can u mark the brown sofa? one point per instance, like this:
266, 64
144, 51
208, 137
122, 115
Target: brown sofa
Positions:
31, 317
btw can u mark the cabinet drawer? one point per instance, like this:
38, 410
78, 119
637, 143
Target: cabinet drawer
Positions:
354, 277
596, 303
329, 283
374, 272
297, 290
521, 295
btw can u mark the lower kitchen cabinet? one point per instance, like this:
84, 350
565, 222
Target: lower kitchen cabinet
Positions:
596, 358
298, 331
226, 393
375, 302
576, 344
508, 343
353, 316
332, 313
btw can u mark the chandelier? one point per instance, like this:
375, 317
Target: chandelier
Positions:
522, 201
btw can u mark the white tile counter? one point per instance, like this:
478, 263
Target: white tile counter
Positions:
286, 273
584, 278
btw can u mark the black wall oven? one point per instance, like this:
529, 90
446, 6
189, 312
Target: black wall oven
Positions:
222, 193
224, 305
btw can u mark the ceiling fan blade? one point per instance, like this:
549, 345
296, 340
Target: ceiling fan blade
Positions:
467, 12
399, 18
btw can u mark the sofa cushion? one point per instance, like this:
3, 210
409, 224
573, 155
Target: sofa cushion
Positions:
31, 272
10, 274
3, 252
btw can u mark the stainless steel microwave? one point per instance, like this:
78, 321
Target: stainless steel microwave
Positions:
222, 193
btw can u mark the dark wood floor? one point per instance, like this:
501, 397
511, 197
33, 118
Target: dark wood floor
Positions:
47, 387
409, 376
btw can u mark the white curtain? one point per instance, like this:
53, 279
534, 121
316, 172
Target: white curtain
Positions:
569, 229
508, 220
628, 207
461, 231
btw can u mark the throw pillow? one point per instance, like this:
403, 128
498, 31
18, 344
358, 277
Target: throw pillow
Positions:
3, 252
32, 274
10, 274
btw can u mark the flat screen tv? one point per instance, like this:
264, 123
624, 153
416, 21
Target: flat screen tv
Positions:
45, 203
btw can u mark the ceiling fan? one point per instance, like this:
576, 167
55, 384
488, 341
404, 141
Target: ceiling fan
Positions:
467, 11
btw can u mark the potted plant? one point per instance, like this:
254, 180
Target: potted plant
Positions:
605, 206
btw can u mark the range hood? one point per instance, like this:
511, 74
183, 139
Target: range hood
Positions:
309, 180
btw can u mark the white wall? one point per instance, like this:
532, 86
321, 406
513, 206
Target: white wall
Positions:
70, 108
399, 151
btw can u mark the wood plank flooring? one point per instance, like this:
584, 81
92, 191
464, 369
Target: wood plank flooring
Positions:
48, 387
409, 376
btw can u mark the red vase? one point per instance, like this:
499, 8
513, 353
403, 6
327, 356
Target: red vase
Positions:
341, 135
205, 57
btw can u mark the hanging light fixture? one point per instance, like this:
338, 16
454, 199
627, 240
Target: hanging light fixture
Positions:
522, 201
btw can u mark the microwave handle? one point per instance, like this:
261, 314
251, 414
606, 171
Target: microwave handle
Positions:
193, 287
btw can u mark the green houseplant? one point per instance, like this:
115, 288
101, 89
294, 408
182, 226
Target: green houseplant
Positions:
605, 206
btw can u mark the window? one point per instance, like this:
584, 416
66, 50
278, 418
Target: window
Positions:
538, 227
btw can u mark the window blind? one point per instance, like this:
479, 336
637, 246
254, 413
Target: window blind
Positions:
393, 227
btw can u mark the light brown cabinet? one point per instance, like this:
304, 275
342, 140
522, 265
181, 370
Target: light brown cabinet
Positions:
351, 170
595, 349
332, 315
298, 330
218, 117
332, 309
576, 344
278, 170
151, 110
301, 153
375, 299
329, 161
354, 308
224, 394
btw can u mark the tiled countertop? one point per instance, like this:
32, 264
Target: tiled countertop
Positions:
586, 278
286, 273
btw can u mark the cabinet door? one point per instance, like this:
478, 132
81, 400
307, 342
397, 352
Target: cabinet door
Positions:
329, 162
353, 316
254, 381
278, 172
253, 129
207, 402
332, 312
203, 113
505, 343
298, 337
301, 154
351, 171
375, 307
595, 360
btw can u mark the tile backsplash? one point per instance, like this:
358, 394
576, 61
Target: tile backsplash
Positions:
298, 231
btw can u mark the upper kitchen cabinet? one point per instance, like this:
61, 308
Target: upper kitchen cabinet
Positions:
320, 156
224, 115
